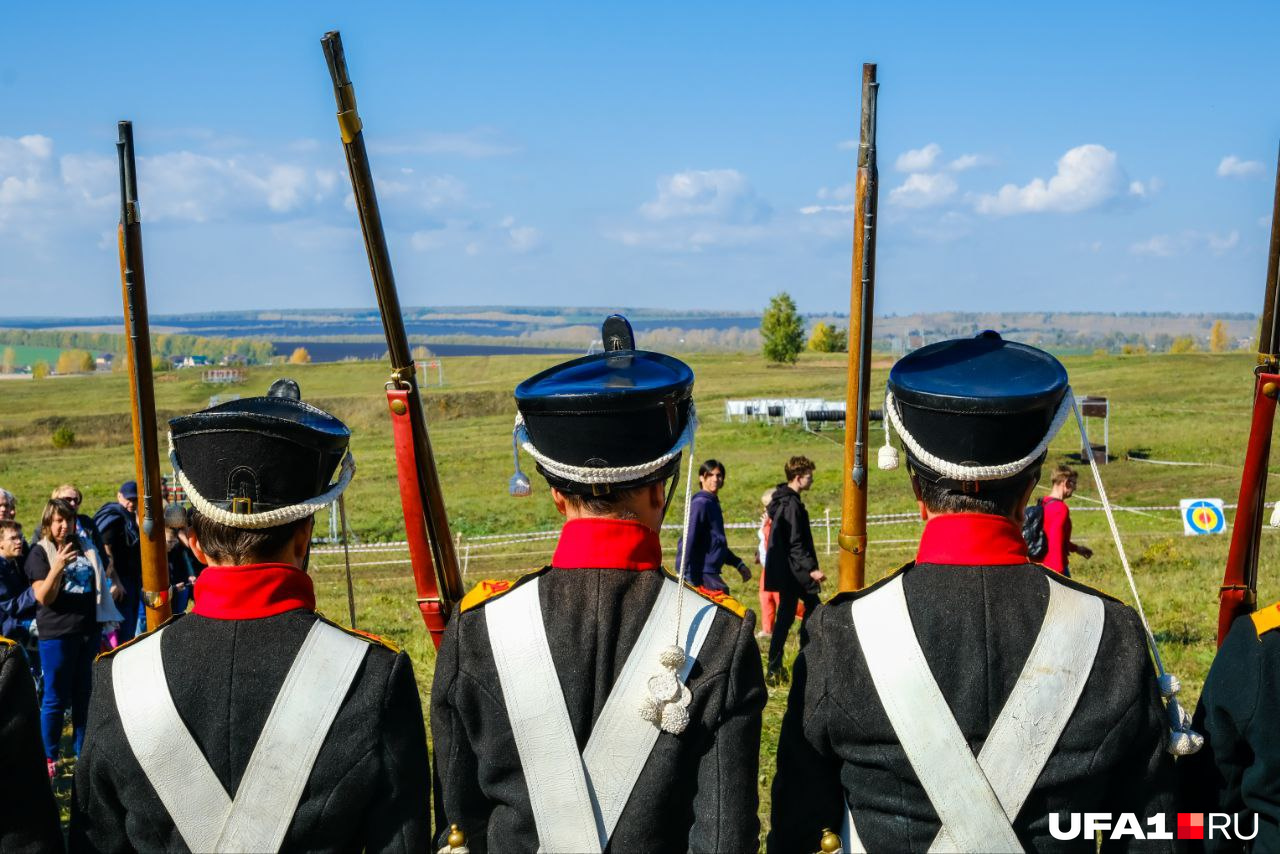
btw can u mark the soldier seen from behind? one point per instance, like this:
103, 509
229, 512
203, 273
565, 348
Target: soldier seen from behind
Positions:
1238, 769
28, 814
597, 704
253, 723
908, 718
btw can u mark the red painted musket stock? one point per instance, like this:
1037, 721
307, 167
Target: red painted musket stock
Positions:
1239, 583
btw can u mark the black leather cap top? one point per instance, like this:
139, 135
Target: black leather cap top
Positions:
618, 408
977, 401
275, 451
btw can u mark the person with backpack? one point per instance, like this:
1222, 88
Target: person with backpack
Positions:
1056, 524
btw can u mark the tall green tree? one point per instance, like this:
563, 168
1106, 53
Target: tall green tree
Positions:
782, 330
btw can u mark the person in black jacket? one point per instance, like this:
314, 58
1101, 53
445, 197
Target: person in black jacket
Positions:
791, 562
570, 693
253, 723
28, 814
972, 700
1238, 769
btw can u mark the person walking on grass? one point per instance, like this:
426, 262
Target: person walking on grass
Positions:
791, 562
1057, 522
708, 546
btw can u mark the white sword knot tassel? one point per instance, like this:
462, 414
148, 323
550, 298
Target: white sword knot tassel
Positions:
667, 705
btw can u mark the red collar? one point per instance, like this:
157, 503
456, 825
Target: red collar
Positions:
972, 539
593, 543
252, 591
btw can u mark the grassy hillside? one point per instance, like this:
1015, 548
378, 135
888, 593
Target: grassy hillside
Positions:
1190, 408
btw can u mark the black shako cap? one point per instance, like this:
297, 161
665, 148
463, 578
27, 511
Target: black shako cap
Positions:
276, 450
623, 407
977, 401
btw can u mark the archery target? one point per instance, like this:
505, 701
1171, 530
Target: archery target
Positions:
1202, 516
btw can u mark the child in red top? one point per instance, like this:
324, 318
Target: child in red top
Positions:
1057, 522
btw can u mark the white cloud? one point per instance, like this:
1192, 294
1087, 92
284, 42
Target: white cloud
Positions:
841, 193
521, 238
1088, 176
473, 144
810, 210
847, 144
965, 162
923, 190
722, 195
918, 159
1233, 167
1188, 241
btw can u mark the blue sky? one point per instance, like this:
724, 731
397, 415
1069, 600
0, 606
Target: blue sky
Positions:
1086, 156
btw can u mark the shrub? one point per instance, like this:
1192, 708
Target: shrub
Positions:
64, 437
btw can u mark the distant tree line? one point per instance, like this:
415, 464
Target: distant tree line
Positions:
163, 345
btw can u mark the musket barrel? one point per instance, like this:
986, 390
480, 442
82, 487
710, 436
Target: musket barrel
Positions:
155, 565
1268, 331
403, 375
853, 516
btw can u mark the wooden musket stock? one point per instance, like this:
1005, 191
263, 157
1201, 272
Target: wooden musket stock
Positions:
1239, 592
155, 562
435, 564
853, 506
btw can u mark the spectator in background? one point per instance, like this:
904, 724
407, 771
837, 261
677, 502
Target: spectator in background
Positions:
85, 526
117, 522
9, 512
791, 562
708, 545
17, 600
183, 564
67, 577
768, 598
1057, 522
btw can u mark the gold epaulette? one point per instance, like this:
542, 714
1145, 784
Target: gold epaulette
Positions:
1266, 619
135, 639
719, 597
4, 641
491, 588
366, 636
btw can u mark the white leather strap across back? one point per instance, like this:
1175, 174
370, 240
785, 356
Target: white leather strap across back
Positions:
978, 799
299, 721
621, 741
540, 724
578, 798
286, 751
169, 756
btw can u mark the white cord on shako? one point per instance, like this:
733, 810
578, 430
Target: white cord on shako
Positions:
267, 518
667, 705
1183, 740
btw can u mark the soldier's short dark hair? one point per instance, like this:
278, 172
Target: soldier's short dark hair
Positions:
1002, 501
611, 503
238, 546
797, 466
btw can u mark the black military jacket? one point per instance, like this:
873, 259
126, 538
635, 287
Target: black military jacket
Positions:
976, 624
1238, 769
698, 790
28, 814
225, 664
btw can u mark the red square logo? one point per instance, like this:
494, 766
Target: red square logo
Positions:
1191, 825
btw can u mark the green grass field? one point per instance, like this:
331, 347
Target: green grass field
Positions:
1187, 408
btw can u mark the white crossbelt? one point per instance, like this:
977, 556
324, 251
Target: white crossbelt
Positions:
978, 799
202, 811
578, 798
